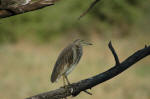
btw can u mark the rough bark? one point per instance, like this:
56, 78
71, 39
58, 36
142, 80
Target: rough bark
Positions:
26, 8
75, 88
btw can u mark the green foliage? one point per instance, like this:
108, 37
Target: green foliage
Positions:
45, 24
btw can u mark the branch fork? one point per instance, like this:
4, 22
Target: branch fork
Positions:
75, 88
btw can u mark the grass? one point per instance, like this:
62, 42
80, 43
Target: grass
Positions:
25, 69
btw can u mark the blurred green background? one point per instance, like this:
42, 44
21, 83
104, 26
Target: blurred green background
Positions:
31, 42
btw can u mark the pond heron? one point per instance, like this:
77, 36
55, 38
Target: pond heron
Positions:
68, 60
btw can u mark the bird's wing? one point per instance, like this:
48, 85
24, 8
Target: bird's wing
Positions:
65, 58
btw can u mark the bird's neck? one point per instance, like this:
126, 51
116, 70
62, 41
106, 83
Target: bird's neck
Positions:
78, 46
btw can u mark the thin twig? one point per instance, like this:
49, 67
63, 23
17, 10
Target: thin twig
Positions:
114, 53
90, 7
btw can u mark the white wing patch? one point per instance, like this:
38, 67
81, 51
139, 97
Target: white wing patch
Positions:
70, 69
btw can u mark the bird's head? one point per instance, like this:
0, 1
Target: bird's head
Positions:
82, 42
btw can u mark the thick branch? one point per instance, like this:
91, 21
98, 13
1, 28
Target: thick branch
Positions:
75, 88
26, 8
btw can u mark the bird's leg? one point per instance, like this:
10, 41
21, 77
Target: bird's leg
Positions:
67, 80
64, 81
64, 84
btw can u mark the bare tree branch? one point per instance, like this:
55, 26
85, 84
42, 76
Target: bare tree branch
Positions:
35, 6
75, 88
26, 8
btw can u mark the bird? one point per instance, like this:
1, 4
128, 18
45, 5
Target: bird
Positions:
68, 60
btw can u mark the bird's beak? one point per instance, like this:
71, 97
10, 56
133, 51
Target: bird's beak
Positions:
88, 43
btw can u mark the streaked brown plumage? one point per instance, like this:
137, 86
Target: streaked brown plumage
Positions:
68, 59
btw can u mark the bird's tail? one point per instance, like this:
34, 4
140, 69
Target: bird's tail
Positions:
54, 77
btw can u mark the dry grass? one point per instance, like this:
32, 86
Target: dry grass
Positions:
25, 69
